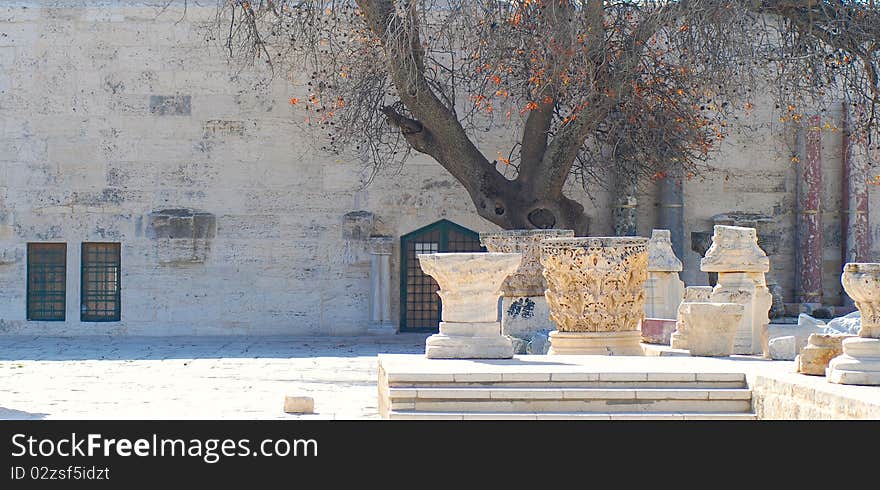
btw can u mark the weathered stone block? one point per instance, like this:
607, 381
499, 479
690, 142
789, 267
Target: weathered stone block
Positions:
171, 105
357, 225
657, 330
299, 404
783, 348
181, 235
820, 349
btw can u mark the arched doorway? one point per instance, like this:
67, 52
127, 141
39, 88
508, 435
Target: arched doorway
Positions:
419, 303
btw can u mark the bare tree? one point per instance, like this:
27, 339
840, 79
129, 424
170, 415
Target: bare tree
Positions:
638, 87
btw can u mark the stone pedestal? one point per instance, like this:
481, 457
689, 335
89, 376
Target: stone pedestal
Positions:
524, 309
470, 284
712, 327
678, 339
820, 349
860, 362
595, 291
657, 330
664, 289
625, 343
741, 265
524, 316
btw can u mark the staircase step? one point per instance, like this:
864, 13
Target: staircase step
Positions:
413, 415
575, 405
554, 393
585, 379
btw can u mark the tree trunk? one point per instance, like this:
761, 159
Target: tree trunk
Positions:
513, 207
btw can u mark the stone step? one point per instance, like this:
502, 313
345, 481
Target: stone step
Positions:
413, 415
555, 393
596, 401
569, 380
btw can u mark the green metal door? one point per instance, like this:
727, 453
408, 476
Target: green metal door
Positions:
419, 302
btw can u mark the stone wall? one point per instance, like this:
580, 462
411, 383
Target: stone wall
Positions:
118, 122
792, 396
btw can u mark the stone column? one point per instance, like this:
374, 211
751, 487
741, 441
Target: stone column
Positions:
671, 213
664, 288
380, 273
855, 230
524, 309
860, 362
809, 222
692, 294
741, 265
470, 284
595, 290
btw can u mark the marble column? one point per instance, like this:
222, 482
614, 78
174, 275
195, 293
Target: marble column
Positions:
524, 309
692, 294
470, 285
855, 229
809, 208
664, 288
380, 275
595, 290
860, 362
741, 265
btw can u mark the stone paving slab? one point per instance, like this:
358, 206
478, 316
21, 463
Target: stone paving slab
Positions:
192, 377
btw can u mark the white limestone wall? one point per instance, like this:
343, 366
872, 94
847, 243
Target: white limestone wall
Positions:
88, 151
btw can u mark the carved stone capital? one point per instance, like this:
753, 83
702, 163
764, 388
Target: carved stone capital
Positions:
470, 283
595, 284
735, 249
861, 281
381, 244
528, 280
661, 258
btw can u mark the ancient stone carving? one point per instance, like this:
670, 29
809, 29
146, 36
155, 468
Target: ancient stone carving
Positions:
820, 349
528, 280
595, 286
735, 249
678, 339
860, 362
470, 284
524, 309
861, 282
741, 264
664, 288
661, 258
711, 327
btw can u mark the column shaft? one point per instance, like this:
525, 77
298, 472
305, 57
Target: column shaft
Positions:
809, 224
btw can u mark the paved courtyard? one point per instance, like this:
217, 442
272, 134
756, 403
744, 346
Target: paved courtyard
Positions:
191, 377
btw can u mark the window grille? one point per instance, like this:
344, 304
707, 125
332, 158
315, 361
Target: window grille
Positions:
46, 281
101, 275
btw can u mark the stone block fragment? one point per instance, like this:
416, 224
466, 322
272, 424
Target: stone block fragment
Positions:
783, 348
299, 404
